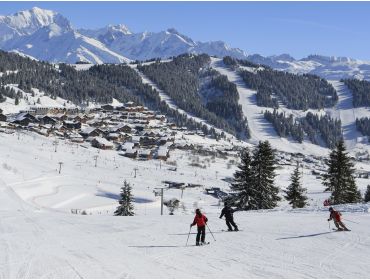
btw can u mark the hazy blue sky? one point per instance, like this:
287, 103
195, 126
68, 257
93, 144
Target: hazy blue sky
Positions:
297, 28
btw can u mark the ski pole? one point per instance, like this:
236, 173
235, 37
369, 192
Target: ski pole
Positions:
351, 221
188, 237
329, 224
210, 232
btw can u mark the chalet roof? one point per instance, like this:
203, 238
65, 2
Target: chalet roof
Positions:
103, 141
135, 138
70, 122
119, 126
47, 126
127, 145
22, 116
130, 151
75, 135
87, 130
114, 135
60, 115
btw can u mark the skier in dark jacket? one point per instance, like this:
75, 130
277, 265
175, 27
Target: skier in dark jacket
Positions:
200, 220
336, 216
228, 212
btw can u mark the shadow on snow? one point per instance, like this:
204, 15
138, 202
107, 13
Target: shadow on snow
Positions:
117, 197
308, 235
161, 246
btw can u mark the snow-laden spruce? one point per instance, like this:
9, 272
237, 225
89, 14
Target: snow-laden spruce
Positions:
126, 207
295, 193
340, 179
254, 182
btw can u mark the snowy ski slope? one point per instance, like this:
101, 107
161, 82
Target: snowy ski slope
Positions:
260, 128
40, 238
347, 114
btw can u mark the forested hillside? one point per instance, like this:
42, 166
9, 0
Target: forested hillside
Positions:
360, 90
327, 128
99, 84
285, 126
300, 92
315, 128
363, 125
199, 91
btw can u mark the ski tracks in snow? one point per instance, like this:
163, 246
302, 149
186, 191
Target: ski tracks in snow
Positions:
327, 264
345, 111
260, 128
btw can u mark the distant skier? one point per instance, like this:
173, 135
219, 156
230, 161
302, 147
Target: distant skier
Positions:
200, 220
228, 212
336, 217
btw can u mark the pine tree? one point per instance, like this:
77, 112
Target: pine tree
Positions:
126, 207
265, 193
242, 183
339, 178
16, 101
295, 193
367, 194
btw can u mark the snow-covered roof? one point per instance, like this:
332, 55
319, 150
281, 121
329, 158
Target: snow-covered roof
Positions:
130, 151
127, 145
88, 130
103, 141
135, 139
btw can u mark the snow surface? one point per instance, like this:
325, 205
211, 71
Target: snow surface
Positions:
9, 107
42, 239
345, 111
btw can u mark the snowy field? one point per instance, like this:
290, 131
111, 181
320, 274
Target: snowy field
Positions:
42, 239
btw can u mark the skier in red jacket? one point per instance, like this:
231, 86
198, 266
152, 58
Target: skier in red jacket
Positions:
200, 220
336, 217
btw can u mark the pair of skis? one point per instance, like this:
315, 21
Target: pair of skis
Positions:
335, 229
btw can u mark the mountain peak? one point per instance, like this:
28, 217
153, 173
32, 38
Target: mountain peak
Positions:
119, 28
328, 59
28, 21
283, 56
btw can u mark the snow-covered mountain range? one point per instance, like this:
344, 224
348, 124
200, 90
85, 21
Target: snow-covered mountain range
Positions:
48, 35
329, 67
